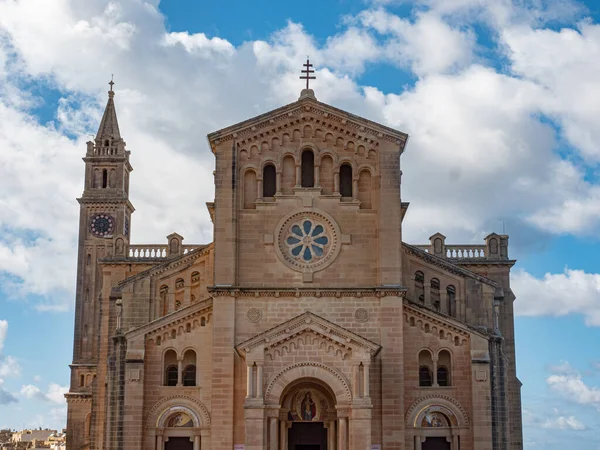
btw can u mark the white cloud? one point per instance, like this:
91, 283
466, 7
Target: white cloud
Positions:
564, 423
476, 136
3, 331
575, 389
55, 393
571, 292
5, 396
9, 367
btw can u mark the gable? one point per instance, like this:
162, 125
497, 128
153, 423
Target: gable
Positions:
330, 336
307, 111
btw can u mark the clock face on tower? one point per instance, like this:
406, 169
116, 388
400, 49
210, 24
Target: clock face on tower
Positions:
102, 225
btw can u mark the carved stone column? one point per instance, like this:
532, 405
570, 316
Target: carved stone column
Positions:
249, 382
336, 183
278, 183
179, 371
331, 435
298, 176
366, 379
259, 380
355, 189
160, 442
273, 440
356, 380
259, 189
197, 440
282, 434
342, 434
317, 178
435, 380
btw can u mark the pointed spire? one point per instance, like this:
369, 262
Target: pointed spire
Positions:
109, 127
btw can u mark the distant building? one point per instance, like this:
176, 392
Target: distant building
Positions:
32, 435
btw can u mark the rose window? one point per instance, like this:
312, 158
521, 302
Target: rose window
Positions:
307, 241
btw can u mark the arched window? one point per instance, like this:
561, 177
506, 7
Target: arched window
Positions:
308, 168
106, 143
424, 376
346, 180
420, 286
189, 371
170, 365
444, 367
189, 376
104, 178
269, 181
442, 376
425, 368
434, 293
81, 380
451, 300
171, 376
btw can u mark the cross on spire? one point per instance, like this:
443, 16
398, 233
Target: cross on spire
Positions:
307, 72
111, 83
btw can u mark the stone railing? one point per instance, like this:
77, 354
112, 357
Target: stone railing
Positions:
106, 151
155, 252
459, 251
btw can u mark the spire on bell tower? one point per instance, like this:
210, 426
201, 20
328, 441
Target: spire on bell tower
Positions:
109, 126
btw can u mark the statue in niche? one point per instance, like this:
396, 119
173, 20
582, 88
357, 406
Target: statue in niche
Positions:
174, 246
308, 408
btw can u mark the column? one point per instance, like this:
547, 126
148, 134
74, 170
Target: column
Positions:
356, 381
336, 183
354, 189
160, 445
278, 183
366, 379
273, 433
259, 190
298, 176
435, 380
197, 442
342, 434
282, 435
259, 380
330, 436
249, 380
179, 371
317, 179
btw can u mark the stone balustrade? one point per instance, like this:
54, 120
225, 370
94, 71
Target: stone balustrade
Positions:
495, 249
105, 151
156, 251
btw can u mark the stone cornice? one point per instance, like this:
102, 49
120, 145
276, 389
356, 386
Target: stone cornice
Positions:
325, 115
447, 265
162, 267
174, 318
235, 291
78, 397
106, 202
441, 320
308, 322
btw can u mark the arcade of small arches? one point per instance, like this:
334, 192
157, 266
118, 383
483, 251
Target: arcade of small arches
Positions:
172, 300
310, 169
433, 295
179, 370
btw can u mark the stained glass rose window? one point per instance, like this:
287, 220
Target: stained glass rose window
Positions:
307, 240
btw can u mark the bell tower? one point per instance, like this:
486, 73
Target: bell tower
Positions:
104, 224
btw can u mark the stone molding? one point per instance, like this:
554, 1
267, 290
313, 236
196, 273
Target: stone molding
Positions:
446, 265
161, 407
310, 322
236, 291
430, 400
336, 381
307, 110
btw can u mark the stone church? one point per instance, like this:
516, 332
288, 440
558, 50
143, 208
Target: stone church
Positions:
307, 324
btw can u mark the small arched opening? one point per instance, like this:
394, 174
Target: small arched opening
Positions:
269, 181
346, 180
171, 375
308, 169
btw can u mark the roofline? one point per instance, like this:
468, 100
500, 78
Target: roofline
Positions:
232, 129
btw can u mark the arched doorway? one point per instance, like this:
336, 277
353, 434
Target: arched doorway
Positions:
438, 424
308, 415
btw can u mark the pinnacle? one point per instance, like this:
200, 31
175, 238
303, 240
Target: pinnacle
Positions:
109, 127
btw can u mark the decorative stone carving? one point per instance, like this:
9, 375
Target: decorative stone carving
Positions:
361, 315
254, 315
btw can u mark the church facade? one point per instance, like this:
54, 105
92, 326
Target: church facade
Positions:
307, 324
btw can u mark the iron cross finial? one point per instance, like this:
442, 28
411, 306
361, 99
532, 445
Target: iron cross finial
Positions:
111, 83
307, 72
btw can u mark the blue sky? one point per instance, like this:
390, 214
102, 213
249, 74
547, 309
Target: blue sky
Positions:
500, 100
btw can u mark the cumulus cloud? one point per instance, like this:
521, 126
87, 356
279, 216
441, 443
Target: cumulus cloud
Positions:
5, 396
561, 294
479, 137
54, 394
574, 388
564, 423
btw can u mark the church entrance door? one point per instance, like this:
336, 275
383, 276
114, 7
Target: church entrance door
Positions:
436, 443
307, 436
179, 443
